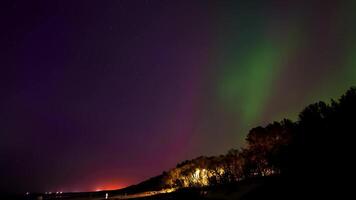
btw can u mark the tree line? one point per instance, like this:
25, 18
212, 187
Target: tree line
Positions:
317, 146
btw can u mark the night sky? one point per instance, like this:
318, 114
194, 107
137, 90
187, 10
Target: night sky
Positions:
107, 94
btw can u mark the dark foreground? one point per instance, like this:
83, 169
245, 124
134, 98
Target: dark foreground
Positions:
254, 188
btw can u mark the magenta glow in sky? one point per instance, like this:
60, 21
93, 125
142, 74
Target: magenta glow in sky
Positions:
102, 95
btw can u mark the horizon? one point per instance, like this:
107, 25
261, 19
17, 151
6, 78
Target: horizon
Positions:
110, 94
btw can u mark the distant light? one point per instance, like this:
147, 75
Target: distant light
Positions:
106, 195
60, 192
169, 190
27, 193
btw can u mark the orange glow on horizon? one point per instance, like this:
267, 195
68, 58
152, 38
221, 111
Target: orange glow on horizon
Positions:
109, 186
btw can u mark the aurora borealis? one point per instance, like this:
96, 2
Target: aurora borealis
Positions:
104, 95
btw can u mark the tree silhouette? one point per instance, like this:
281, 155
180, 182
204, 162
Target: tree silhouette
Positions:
317, 149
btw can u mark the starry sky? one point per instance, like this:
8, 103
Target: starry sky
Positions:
101, 95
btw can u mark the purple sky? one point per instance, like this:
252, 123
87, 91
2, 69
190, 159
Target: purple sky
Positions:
104, 95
